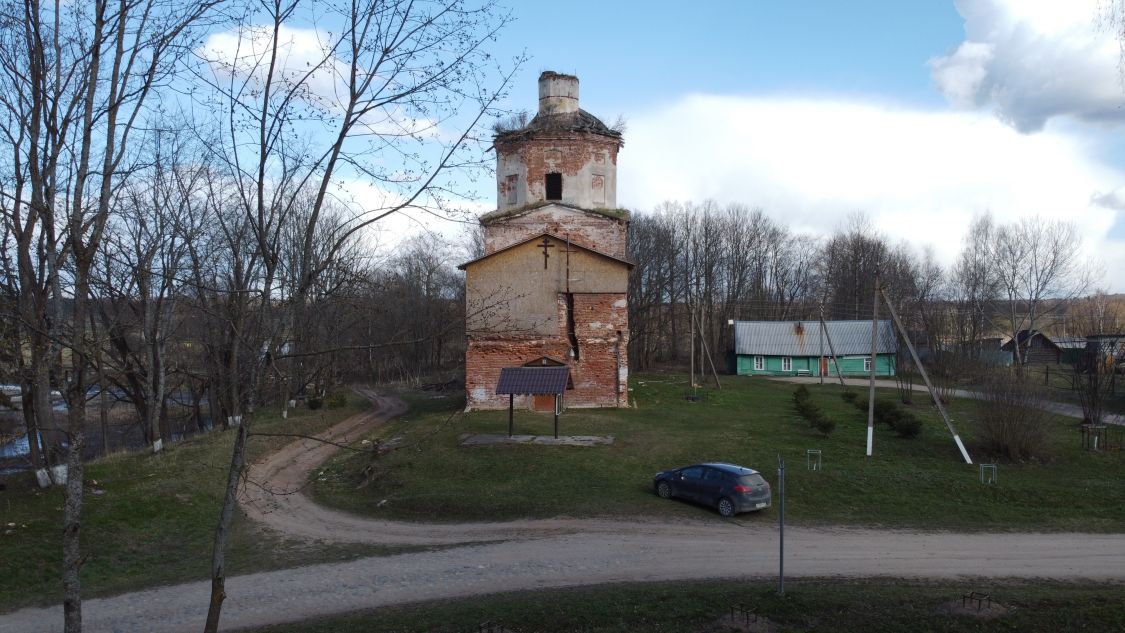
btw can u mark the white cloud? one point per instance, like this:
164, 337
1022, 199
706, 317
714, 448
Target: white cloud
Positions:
920, 175
1031, 60
382, 238
303, 55
306, 61
1111, 199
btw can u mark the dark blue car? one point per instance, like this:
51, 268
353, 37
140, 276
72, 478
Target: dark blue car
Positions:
728, 488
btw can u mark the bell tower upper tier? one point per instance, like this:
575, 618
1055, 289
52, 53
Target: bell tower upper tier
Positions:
564, 154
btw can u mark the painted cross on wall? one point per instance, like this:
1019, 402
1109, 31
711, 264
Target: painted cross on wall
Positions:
545, 244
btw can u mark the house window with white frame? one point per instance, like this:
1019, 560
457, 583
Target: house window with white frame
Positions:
867, 365
759, 363
786, 363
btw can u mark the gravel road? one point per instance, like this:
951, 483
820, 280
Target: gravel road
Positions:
550, 553
718, 550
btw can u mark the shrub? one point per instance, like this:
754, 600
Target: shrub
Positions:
314, 402
825, 425
801, 393
904, 423
1013, 422
802, 401
887, 412
908, 425
335, 400
849, 396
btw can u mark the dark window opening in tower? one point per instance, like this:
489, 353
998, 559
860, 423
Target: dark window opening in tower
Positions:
554, 186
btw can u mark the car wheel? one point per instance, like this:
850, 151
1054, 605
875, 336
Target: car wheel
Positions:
726, 507
664, 490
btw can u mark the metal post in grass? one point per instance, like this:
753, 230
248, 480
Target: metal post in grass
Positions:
511, 413
874, 360
820, 364
781, 524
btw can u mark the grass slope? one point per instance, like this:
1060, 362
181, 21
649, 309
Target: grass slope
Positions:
836, 606
154, 522
920, 482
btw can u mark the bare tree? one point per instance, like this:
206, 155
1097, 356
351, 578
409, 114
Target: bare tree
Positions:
1095, 373
80, 74
1039, 269
974, 286
1013, 416
380, 91
1111, 17
140, 276
716, 263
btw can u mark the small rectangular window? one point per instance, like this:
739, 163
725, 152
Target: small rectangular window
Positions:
510, 183
759, 363
554, 186
867, 365
786, 363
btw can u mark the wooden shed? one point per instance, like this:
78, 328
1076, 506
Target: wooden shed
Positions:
1035, 347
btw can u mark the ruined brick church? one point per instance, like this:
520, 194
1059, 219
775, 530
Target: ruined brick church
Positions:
552, 285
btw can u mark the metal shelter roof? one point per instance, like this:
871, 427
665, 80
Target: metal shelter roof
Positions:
532, 381
802, 338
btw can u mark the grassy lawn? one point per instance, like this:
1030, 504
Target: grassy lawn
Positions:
835, 605
920, 483
153, 523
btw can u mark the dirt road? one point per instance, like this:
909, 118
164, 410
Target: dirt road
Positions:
553, 553
278, 501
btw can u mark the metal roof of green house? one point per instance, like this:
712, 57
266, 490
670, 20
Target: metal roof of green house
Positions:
802, 338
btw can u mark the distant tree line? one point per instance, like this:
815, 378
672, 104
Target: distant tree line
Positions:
699, 265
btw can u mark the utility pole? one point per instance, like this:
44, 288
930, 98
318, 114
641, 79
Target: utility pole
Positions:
922, 370
781, 524
701, 324
820, 365
871, 381
832, 349
691, 349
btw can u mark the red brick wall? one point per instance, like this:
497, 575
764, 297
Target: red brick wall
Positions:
591, 230
599, 374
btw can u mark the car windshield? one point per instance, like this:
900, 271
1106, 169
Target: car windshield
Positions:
751, 480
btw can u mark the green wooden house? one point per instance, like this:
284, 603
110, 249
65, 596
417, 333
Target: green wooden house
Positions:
801, 348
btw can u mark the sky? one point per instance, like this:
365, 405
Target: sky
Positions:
920, 114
